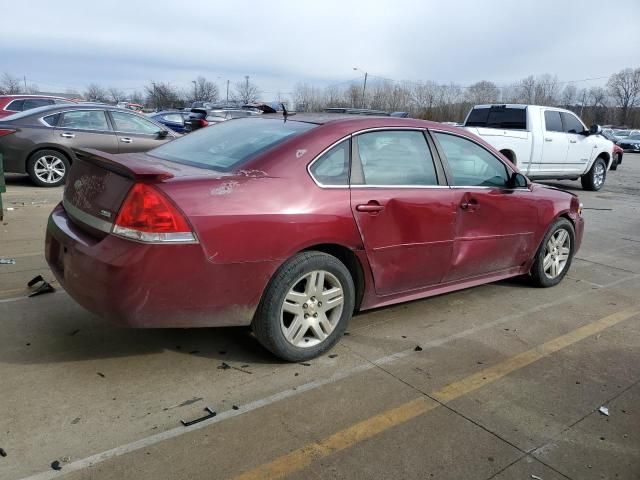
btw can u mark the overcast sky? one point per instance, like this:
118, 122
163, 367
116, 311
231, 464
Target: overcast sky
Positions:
62, 45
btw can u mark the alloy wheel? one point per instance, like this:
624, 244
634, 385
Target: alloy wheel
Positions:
312, 309
598, 175
556, 253
49, 169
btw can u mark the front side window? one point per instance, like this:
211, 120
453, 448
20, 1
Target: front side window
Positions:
470, 164
85, 120
128, 123
571, 123
396, 157
552, 121
15, 106
332, 168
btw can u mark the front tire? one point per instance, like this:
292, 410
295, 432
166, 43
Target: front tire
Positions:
594, 179
48, 168
306, 307
555, 254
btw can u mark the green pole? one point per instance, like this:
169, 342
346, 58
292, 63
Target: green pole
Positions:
3, 187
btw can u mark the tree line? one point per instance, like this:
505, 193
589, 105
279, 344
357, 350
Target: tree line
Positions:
615, 103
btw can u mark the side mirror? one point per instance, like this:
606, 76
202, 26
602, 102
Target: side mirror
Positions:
595, 130
163, 133
517, 180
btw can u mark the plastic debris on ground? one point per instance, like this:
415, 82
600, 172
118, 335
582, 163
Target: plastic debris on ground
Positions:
7, 261
604, 411
44, 287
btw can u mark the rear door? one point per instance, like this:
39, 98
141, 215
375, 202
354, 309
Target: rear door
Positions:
403, 209
136, 133
580, 146
555, 145
494, 223
86, 128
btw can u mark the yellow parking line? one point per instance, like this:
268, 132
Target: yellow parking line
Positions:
303, 457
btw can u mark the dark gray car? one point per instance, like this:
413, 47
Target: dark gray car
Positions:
40, 142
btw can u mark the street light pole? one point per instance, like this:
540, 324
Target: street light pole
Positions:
195, 90
227, 92
364, 86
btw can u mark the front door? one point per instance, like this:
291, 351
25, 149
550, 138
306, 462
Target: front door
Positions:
580, 145
555, 145
492, 232
403, 210
135, 133
86, 128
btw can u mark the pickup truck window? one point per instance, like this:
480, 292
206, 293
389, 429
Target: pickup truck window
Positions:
498, 117
571, 123
552, 121
470, 164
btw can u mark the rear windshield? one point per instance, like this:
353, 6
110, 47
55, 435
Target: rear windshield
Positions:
498, 117
227, 145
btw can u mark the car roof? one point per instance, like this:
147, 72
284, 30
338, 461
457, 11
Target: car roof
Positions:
327, 117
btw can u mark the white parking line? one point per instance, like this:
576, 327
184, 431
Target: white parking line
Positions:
263, 402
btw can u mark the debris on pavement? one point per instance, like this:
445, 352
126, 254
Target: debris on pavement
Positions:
536, 477
56, 465
3, 453
604, 410
7, 261
211, 413
333, 355
305, 364
74, 332
418, 348
45, 286
235, 407
226, 366
101, 374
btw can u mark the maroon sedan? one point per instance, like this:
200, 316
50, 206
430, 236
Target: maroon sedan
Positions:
292, 225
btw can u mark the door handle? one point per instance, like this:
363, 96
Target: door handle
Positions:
126, 140
548, 139
471, 204
67, 135
573, 141
371, 207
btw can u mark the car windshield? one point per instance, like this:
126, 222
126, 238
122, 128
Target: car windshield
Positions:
634, 136
620, 133
228, 145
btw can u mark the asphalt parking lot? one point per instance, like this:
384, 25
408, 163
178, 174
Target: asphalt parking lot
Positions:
502, 381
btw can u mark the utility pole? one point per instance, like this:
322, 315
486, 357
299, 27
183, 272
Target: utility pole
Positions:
246, 90
364, 88
584, 99
227, 92
25, 84
195, 90
155, 95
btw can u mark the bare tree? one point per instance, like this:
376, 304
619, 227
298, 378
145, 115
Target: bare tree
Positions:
246, 91
569, 95
95, 93
308, 98
482, 92
137, 97
203, 90
32, 89
10, 85
162, 95
423, 99
624, 88
116, 95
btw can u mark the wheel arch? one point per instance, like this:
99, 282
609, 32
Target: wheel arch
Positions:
350, 260
67, 153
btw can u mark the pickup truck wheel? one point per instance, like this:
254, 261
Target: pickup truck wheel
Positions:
554, 256
306, 307
594, 179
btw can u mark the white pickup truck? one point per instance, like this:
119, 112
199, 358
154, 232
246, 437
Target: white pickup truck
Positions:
544, 142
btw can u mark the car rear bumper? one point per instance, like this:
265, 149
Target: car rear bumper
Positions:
142, 285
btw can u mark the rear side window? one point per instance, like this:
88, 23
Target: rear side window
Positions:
470, 164
396, 157
85, 120
498, 117
332, 168
227, 145
52, 120
15, 106
571, 123
36, 102
552, 121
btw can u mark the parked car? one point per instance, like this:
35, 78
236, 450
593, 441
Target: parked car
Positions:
630, 143
136, 107
173, 119
291, 226
10, 104
40, 141
545, 142
200, 117
617, 150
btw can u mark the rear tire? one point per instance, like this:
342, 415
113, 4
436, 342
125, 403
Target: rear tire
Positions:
555, 254
306, 307
48, 168
594, 179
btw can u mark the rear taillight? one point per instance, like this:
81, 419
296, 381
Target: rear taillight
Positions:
148, 216
6, 131
202, 122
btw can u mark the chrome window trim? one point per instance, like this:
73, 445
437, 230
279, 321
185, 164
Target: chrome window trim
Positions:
350, 136
87, 218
